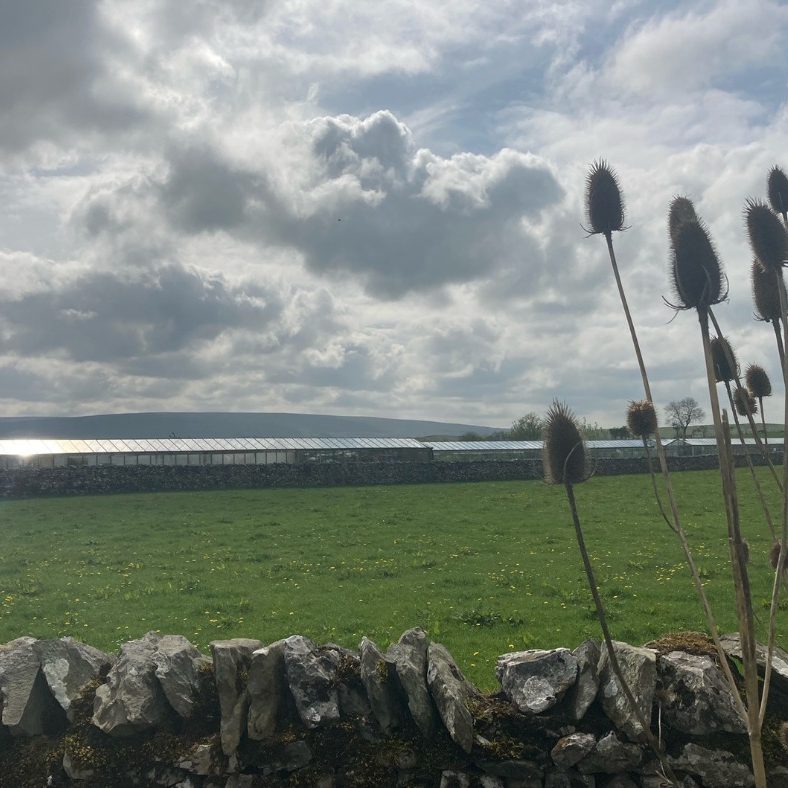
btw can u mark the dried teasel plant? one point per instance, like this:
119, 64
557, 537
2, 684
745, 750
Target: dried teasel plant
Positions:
699, 283
777, 187
642, 423
760, 387
696, 273
726, 367
768, 237
766, 297
681, 211
642, 418
774, 558
744, 402
564, 454
604, 201
711, 293
758, 382
564, 460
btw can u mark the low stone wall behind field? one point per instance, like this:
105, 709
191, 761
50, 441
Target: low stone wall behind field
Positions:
29, 482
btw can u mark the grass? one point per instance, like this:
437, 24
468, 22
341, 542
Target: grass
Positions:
484, 568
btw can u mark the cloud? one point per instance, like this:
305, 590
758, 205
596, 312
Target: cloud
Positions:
56, 74
361, 200
106, 317
690, 49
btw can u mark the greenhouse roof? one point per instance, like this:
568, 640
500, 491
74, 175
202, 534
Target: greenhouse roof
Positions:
168, 445
493, 446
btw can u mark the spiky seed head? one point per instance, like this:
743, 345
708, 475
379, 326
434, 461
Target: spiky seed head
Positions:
758, 381
564, 451
774, 557
778, 190
768, 238
724, 359
681, 210
698, 280
765, 292
744, 402
641, 418
604, 201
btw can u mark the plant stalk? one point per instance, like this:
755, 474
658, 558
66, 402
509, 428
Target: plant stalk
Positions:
611, 654
750, 419
674, 512
744, 612
764, 505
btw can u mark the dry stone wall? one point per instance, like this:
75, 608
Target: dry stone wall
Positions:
29, 482
292, 713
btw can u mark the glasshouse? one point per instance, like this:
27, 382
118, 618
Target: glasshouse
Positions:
60, 453
473, 451
207, 451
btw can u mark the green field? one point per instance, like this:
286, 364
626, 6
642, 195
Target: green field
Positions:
484, 568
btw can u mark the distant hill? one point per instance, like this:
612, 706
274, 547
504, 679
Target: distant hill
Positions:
228, 425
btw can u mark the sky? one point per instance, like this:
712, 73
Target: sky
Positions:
362, 208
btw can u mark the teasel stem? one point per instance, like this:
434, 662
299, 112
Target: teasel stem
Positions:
654, 485
784, 534
779, 337
763, 422
750, 419
741, 583
678, 529
611, 653
757, 484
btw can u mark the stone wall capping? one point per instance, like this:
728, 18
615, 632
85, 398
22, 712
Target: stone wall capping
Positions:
294, 712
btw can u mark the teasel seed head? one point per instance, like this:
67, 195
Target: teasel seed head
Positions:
768, 238
698, 281
745, 403
681, 211
765, 292
726, 367
758, 381
774, 557
778, 190
604, 201
641, 418
564, 450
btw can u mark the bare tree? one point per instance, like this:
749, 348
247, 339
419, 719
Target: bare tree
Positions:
682, 413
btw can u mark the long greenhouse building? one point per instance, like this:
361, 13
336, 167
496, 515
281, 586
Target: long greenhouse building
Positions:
61, 453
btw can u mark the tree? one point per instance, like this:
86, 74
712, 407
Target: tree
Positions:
619, 433
682, 413
527, 428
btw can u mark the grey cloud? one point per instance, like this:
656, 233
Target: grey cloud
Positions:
55, 79
202, 193
104, 317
